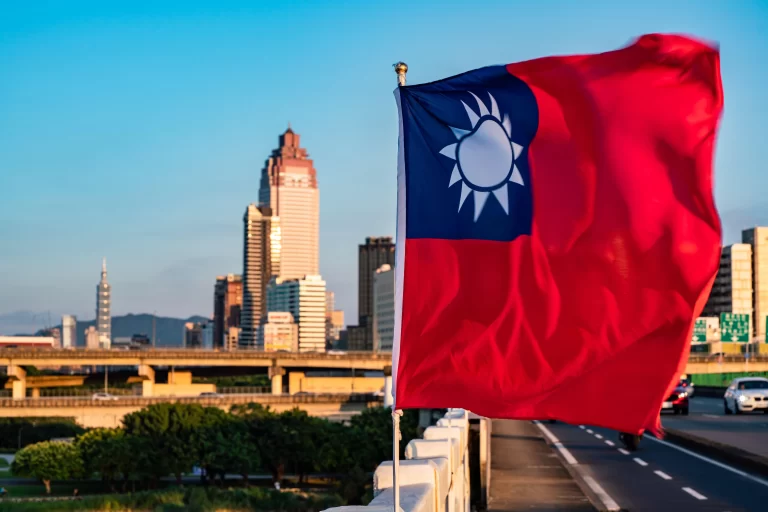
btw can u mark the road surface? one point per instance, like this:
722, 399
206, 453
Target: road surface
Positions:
660, 476
707, 419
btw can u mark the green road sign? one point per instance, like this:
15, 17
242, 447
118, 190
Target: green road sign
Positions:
734, 327
700, 329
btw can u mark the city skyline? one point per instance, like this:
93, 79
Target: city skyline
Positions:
198, 111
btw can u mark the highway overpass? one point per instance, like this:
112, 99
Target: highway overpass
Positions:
190, 357
275, 364
109, 413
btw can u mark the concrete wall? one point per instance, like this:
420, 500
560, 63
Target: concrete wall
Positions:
182, 389
111, 413
299, 382
435, 475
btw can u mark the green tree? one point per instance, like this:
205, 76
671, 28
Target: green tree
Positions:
227, 447
100, 449
168, 431
47, 461
371, 432
272, 438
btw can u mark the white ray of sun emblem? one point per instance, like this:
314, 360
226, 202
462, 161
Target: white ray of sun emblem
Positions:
485, 157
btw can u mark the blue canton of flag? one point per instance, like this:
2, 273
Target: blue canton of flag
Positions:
466, 156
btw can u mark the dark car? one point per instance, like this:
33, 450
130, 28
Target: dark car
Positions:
677, 402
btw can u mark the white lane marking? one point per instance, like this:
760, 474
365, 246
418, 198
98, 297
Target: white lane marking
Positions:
623, 451
589, 431
663, 475
695, 494
609, 443
570, 459
598, 436
711, 461
640, 461
710, 416
582, 427
608, 502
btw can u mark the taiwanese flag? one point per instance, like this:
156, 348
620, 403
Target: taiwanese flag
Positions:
557, 233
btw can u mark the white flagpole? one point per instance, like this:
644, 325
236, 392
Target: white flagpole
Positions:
401, 68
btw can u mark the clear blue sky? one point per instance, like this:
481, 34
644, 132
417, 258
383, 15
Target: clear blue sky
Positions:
137, 130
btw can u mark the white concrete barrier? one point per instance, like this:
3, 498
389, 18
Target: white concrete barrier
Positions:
434, 471
429, 448
413, 498
363, 508
435, 475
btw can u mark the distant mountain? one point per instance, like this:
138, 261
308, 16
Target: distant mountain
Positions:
170, 331
24, 322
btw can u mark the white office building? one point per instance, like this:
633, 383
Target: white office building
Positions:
732, 290
305, 300
68, 331
383, 308
279, 332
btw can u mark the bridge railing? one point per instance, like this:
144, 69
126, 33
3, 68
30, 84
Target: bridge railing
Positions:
190, 353
729, 358
434, 477
318, 398
244, 390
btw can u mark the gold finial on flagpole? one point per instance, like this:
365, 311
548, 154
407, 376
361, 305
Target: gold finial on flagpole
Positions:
401, 68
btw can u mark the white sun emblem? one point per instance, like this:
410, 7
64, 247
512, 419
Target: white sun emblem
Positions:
485, 157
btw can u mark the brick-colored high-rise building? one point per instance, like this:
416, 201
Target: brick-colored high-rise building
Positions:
289, 188
227, 303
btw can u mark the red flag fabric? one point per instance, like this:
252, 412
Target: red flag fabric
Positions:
557, 233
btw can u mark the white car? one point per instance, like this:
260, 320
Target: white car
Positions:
103, 396
746, 394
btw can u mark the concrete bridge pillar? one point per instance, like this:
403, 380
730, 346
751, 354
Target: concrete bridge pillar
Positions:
276, 376
148, 384
18, 377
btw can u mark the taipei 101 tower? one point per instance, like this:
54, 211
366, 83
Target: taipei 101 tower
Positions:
103, 305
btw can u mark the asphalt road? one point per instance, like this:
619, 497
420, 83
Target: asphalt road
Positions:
707, 419
659, 476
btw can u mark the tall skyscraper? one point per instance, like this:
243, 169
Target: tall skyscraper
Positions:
227, 304
383, 308
259, 229
68, 331
289, 187
732, 289
757, 237
305, 300
376, 251
103, 307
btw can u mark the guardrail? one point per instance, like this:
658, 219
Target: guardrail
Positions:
244, 390
434, 477
729, 358
324, 398
87, 353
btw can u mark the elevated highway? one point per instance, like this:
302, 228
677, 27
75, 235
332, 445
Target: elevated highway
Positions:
727, 364
109, 413
275, 364
190, 357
